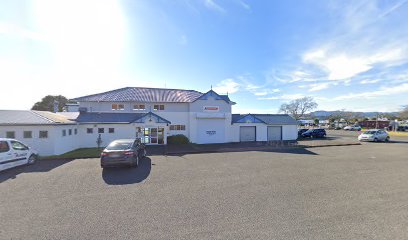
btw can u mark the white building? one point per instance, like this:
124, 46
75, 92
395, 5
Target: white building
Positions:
150, 113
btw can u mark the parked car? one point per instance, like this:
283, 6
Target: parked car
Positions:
300, 131
14, 153
121, 152
352, 128
374, 135
314, 133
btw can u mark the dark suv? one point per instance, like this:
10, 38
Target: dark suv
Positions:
314, 133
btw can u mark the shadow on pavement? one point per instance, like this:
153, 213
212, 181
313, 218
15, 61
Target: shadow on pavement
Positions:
291, 150
126, 175
38, 166
319, 139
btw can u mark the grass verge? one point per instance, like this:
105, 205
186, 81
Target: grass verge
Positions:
78, 153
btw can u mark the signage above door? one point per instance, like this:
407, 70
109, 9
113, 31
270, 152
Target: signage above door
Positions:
211, 108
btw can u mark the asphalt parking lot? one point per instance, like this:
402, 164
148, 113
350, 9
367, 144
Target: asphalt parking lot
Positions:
350, 192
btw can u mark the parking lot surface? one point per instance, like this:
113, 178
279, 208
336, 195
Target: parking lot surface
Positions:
350, 192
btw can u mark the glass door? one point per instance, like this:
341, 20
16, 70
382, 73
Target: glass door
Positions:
151, 135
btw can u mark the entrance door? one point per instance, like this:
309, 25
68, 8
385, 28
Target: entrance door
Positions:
247, 134
151, 135
274, 133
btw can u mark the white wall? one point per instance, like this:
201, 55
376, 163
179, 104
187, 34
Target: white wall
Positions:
198, 107
54, 144
289, 132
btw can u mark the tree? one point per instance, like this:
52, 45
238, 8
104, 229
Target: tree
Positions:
316, 121
298, 107
404, 113
47, 103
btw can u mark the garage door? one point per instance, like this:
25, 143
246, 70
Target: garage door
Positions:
210, 131
247, 134
274, 133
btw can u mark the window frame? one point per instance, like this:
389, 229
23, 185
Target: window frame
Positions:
158, 107
111, 130
101, 130
64, 132
13, 132
70, 131
139, 107
19, 143
26, 132
89, 130
41, 134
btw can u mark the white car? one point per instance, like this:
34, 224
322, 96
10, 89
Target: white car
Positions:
352, 128
14, 153
374, 135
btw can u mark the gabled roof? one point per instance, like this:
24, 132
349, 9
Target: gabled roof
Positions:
140, 94
269, 119
216, 95
30, 117
104, 117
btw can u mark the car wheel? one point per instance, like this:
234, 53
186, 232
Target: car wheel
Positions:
387, 139
375, 139
136, 162
32, 159
144, 153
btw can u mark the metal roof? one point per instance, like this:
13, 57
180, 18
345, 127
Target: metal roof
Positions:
269, 119
29, 117
139, 94
97, 117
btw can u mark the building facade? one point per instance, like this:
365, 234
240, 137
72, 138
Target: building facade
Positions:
153, 114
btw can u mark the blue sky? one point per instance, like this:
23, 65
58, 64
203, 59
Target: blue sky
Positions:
349, 55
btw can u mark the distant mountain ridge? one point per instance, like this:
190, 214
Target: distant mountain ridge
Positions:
325, 114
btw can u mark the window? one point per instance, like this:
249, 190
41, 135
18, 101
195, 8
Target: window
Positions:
28, 134
69, 131
158, 107
43, 134
178, 127
10, 134
116, 106
139, 107
89, 130
75, 131
18, 145
111, 130
64, 133
101, 130
4, 147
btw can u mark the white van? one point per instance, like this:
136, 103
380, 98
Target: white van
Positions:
14, 153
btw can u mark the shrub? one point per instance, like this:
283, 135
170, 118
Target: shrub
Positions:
178, 139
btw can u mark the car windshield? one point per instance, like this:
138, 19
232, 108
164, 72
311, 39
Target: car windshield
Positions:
370, 132
308, 131
119, 145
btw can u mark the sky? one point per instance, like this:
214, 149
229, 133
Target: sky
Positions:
346, 54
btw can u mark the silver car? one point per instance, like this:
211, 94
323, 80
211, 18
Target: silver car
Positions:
374, 135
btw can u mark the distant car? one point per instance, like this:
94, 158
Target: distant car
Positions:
300, 131
314, 133
374, 135
14, 153
352, 128
121, 152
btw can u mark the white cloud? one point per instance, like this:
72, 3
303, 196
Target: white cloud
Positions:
403, 88
369, 81
286, 97
318, 86
227, 86
244, 5
211, 4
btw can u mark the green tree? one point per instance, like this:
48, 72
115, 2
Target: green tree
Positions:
316, 121
47, 103
299, 107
